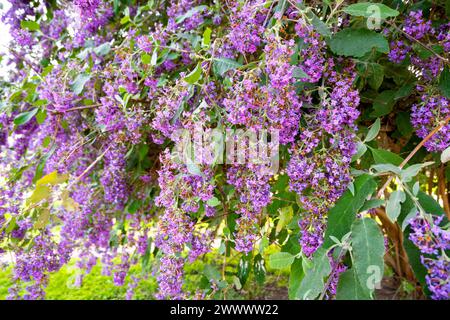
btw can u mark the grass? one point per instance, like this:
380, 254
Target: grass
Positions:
96, 286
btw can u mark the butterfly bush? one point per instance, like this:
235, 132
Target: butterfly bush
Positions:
99, 96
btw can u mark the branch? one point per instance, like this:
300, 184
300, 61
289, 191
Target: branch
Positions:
417, 148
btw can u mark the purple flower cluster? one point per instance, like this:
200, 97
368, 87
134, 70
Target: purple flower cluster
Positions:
312, 53
428, 236
319, 168
274, 106
431, 239
247, 25
426, 116
251, 182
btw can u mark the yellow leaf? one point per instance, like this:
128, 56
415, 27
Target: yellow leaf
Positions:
286, 215
40, 193
53, 178
68, 203
43, 218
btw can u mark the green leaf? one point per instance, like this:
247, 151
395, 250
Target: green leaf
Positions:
357, 42
295, 278
213, 202
42, 218
409, 173
372, 204
383, 103
79, 82
281, 260
206, 38
190, 13
244, 268
429, 204
384, 156
368, 10
193, 77
342, 215
285, 217
102, 49
222, 65
373, 131
259, 269
125, 19
146, 58
444, 82
349, 287
445, 155
40, 193
24, 117
211, 272
393, 205
361, 149
386, 167
403, 123
52, 178
376, 75
29, 25
313, 282
298, 73
320, 26
368, 253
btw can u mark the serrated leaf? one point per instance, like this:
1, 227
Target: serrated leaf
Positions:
281, 260
320, 26
368, 252
357, 42
370, 10
393, 205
